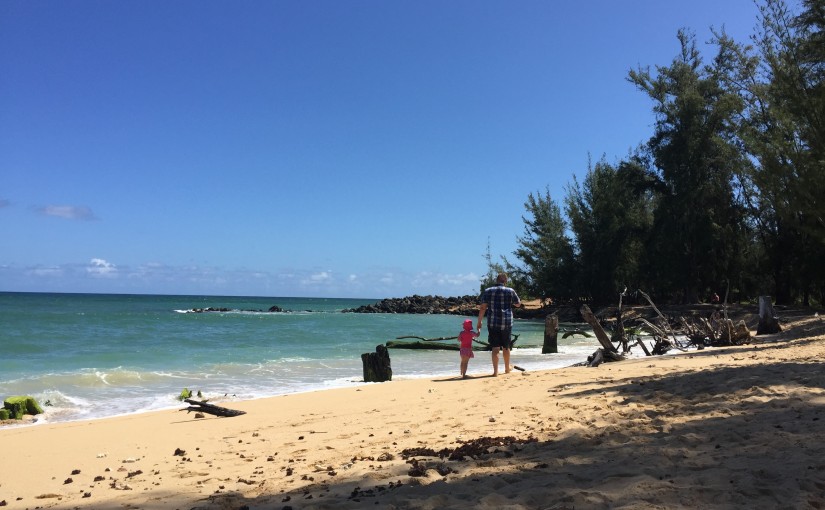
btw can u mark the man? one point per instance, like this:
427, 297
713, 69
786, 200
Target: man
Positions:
497, 303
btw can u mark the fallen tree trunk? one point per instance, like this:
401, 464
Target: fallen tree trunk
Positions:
202, 406
591, 319
602, 355
427, 339
421, 345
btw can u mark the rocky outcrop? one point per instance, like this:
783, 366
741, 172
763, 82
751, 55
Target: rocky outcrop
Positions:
463, 305
17, 407
273, 308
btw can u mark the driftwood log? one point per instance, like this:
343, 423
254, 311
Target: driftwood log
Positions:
203, 407
608, 352
602, 355
601, 336
427, 339
619, 334
421, 345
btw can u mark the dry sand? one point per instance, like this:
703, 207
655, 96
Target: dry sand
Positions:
735, 427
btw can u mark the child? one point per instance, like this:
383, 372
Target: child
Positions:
465, 338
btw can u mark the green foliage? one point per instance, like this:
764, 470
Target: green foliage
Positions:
611, 214
696, 220
782, 130
545, 251
728, 193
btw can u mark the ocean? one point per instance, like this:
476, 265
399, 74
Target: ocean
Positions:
87, 356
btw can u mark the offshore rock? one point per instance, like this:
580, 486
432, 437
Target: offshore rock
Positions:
463, 305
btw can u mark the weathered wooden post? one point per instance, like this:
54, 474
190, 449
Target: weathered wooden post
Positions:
551, 335
768, 323
377, 365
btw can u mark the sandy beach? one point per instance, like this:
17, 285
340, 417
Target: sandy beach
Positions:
733, 427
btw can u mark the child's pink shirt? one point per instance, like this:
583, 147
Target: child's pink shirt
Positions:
466, 338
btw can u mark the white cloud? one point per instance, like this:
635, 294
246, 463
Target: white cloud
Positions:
69, 212
45, 271
323, 276
100, 267
429, 279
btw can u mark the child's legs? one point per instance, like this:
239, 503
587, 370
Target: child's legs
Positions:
465, 360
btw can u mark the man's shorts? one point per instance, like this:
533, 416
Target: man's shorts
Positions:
499, 338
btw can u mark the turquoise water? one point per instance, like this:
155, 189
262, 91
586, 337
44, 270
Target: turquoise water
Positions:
96, 355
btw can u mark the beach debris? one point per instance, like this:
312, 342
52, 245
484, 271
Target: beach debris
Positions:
102, 455
427, 339
75, 471
377, 367
422, 343
391, 344
67, 480
48, 495
179, 452
417, 469
202, 406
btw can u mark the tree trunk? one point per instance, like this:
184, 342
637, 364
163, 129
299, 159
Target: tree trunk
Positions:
377, 365
768, 323
551, 335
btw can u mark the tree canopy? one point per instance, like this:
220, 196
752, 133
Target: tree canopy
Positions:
727, 193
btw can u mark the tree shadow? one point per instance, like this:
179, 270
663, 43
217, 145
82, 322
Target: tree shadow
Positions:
726, 437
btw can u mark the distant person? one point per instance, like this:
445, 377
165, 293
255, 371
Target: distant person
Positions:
714, 298
497, 304
465, 338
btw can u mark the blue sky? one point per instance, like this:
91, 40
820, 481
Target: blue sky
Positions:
358, 148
